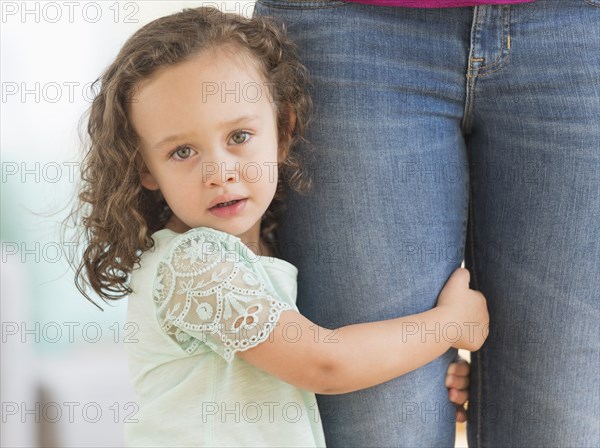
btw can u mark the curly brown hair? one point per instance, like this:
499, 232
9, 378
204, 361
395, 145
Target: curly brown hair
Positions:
116, 215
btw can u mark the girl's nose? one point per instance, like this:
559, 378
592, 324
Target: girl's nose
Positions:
220, 173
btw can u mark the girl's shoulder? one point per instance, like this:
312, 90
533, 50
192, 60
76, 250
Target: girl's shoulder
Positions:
202, 249
199, 244
166, 233
197, 232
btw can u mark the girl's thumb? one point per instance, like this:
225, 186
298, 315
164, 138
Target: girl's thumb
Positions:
462, 276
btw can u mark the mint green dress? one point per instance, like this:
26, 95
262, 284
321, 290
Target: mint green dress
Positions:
198, 298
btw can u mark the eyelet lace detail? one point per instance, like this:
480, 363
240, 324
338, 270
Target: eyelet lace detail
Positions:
207, 291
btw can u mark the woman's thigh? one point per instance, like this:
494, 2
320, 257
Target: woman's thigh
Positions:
533, 126
385, 225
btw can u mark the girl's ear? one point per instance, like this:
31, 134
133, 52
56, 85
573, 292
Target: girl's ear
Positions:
292, 121
147, 179
287, 135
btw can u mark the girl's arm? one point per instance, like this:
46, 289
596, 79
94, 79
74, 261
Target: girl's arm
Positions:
362, 355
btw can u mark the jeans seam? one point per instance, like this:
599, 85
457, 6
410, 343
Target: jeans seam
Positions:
483, 75
470, 79
491, 64
471, 239
500, 61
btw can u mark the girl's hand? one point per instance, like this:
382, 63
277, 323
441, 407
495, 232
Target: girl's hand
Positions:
467, 308
457, 382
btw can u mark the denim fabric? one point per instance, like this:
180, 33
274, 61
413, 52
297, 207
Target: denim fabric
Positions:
442, 135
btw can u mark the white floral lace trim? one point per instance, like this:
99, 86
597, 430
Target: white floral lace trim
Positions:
207, 292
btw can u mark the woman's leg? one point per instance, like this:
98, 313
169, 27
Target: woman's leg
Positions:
533, 125
385, 225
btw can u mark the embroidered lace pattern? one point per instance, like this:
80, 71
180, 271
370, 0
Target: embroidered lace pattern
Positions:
207, 292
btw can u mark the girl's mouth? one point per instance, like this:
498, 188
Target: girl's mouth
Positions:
225, 204
228, 209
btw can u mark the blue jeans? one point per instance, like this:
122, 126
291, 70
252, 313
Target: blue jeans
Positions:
448, 134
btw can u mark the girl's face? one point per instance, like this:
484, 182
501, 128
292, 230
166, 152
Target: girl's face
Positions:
208, 135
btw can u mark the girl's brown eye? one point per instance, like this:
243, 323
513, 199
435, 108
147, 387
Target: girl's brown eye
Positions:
239, 137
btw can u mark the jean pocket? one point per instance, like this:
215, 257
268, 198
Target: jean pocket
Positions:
302, 4
595, 3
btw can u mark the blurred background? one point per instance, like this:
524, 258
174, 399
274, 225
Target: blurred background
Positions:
64, 378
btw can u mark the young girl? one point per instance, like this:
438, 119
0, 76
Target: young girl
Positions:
192, 145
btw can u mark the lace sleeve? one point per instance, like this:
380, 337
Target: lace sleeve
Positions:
207, 291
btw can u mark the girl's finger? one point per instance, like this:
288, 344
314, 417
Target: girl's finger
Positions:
461, 415
458, 396
458, 382
460, 367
